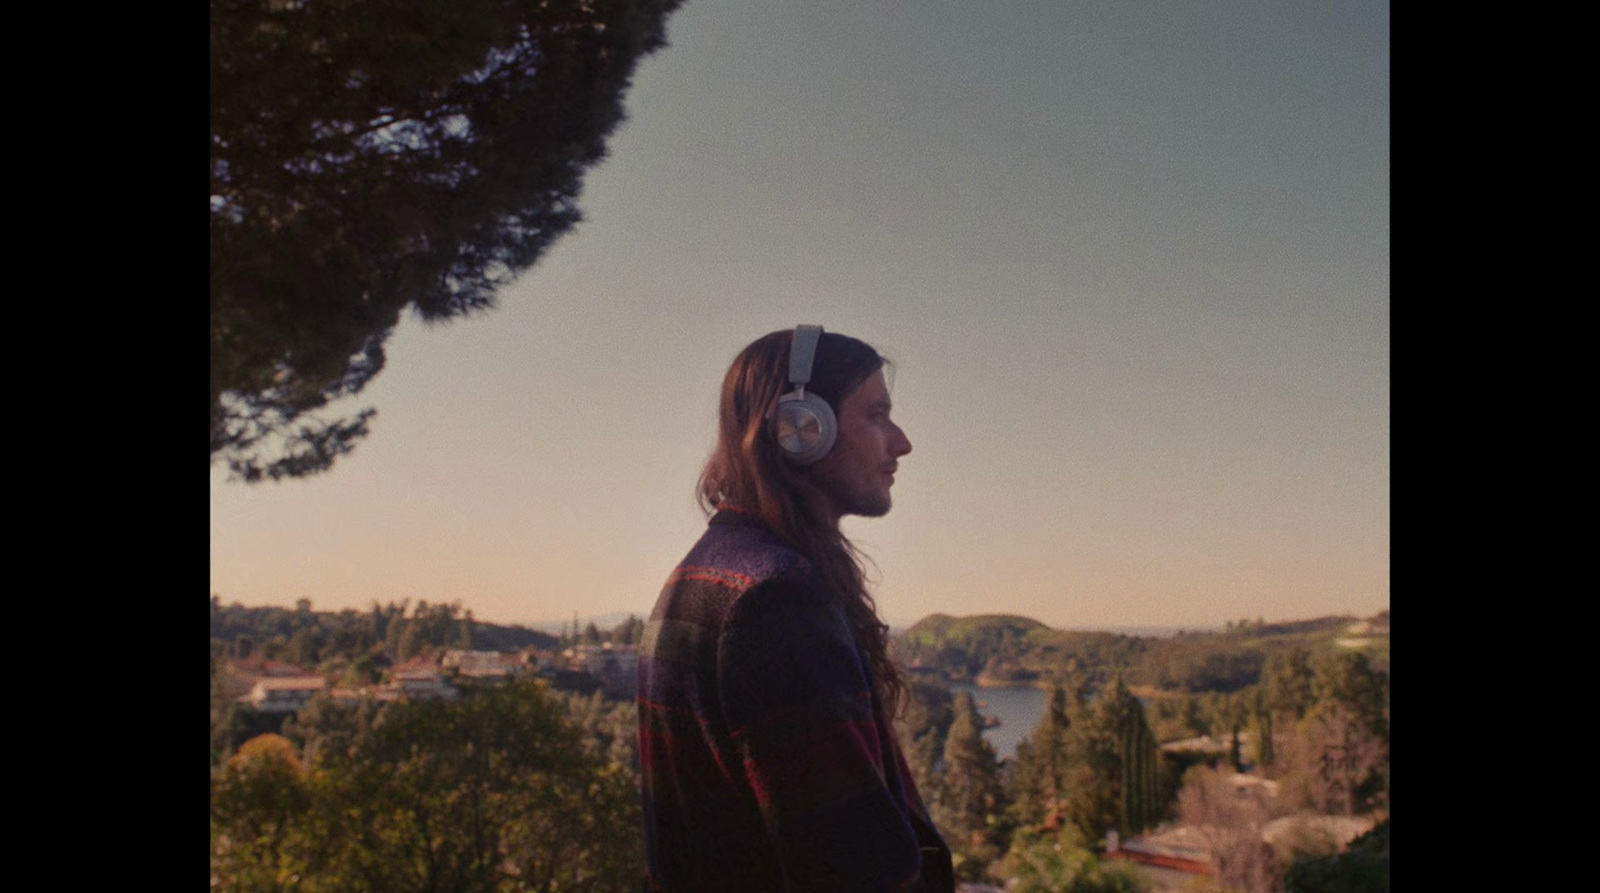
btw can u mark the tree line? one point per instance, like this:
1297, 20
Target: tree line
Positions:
358, 648
1314, 723
515, 786
1310, 738
495, 792
1001, 649
1092, 765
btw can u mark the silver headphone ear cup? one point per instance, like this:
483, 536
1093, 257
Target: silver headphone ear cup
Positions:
805, 428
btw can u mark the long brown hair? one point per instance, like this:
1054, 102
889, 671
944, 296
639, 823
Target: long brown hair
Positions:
747, 471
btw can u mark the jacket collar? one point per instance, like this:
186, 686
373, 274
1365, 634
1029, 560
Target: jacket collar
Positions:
736, 516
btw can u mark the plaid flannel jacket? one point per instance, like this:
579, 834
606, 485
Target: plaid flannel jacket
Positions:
768, 764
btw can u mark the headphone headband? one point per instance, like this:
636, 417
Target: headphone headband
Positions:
802, 352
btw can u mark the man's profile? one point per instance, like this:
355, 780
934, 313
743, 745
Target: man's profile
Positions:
766, 690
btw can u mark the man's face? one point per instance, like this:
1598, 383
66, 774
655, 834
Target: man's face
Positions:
857, 473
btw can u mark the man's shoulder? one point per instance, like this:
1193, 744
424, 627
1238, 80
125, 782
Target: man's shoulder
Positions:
736, 557
738, 552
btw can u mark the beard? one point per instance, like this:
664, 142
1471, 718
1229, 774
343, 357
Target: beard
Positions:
852, 498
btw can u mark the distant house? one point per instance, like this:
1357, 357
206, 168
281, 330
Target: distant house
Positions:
350, 694
615, 666
485, 665
283, 694
1172, 851
540, 660
239, 675
1176, 850
417, 680
1363, 633
603, 659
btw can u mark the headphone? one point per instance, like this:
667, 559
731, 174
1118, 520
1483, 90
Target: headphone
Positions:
803, 424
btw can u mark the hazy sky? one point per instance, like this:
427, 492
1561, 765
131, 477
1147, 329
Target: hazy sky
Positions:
1130, 260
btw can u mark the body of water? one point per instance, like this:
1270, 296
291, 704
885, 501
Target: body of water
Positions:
1018, 708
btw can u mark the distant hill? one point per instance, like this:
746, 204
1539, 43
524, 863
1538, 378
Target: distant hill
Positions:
1008, 649
500, 637
936, 629
307, 637
984, 649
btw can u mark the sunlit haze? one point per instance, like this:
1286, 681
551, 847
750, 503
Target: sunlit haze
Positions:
1130, 261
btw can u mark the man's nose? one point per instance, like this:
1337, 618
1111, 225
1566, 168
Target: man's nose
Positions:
902, 443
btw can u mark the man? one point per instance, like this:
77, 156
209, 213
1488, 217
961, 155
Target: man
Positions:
766, 690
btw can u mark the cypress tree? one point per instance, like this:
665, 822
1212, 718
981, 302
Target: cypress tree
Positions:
1265, 755
1116, 779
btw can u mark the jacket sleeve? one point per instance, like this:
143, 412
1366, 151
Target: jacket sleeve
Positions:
798, 703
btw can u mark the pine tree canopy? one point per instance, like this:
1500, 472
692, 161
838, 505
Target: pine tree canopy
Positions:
369, 156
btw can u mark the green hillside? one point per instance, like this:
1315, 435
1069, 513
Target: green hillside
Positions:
936, 630
1007, 649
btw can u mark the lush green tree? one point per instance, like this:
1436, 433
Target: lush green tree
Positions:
1091, 764
610, 728
412, 642
467, 795
328, 729
368, 668
375, 623
1192, 717
969, 802
1139, 766
1038, 781
394, 634
1095, 764
257, 809
496, 792
1113, 775
1058, 861
1336, 758
305, 647
1261, 714
226, 723
1287, 677
370, 156
1230, 713
921, 726
1348, 680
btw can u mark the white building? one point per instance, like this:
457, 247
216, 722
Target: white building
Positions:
283, 694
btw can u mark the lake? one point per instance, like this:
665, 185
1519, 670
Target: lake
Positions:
1018, 708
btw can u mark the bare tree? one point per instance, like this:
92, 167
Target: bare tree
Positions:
1229, 811
1332, 763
